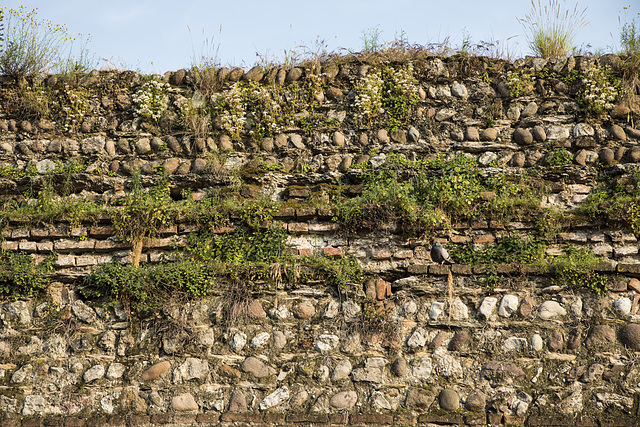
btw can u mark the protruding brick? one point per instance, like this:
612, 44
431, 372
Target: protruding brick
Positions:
298, 227
418, 268
331, 251
380, 254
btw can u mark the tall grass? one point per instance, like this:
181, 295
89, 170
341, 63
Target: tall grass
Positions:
550, 29
630, 37
32, 46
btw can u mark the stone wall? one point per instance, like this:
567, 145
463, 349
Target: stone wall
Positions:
451, 350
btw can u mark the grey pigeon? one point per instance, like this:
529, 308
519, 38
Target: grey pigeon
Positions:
440, 254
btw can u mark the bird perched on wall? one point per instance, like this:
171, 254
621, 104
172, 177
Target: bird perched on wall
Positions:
440, 254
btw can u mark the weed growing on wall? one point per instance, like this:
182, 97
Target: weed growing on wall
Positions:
507, 249
21, 276
32, 46
519, 83
576, 269
432, 193
619, 204
387, 93
550, 28
142, 214
600, 90
151, 100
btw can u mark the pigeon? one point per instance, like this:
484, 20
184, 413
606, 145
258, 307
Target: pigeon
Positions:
440, 254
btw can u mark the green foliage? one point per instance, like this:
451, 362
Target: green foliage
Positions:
143, 214
519, 83
265, 110
371, 40
560, 156
21, 276
507, 249
149, 286
48, 208
433, 193
575, 268
619, 204
388, 94
630, 38
550, 29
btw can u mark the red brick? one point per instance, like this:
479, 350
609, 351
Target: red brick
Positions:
339, 419
464, 270
284, 213
305, 213
496, 225
440, 418
10, 246
39, 233
210, 418
475, 419
242, 418
460, 239
273, 418
537, 420
323, 228
331, 251
305, 252
101, 232
484, 238
161, 419
405, 420
32, 422
380, 254
403, 254
184, 419
369, 419
298, 227
52, 421
307, 418
9, 423
478, 223
139, 420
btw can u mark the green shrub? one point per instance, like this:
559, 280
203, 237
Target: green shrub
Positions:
21, 276
575, 268
507, 249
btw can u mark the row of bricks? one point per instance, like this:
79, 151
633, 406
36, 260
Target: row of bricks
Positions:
275, 419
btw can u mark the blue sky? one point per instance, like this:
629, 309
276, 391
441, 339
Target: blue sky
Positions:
154, 36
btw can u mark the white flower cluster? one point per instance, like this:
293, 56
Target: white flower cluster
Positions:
402, 79
368, 100
232, 112
266, 112
379, 87
151, 100
519, 84
599, 92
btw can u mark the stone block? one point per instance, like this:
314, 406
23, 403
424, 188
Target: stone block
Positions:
418, 268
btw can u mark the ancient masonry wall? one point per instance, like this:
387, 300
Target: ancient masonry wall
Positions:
524, 353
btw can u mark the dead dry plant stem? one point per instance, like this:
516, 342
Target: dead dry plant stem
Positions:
450, 293
136, 250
